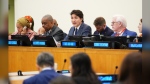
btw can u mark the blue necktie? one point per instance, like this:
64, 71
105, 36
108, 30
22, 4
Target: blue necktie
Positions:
76, 31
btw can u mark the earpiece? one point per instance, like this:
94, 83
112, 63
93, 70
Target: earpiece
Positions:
30, 24
24, 27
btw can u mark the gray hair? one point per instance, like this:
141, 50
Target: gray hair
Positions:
49, 17
121, 18
46, 59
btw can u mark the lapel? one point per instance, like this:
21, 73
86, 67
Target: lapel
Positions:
52, 31
72, 31
79, 33
125, 33
105, 31
96, 33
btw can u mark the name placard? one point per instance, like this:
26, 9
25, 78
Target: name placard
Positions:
69, 44
38, 43
13, 42
101, 44
134, 45
107, 78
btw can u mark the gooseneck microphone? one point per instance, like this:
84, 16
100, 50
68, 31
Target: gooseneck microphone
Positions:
20, 73
63, 65
115, 70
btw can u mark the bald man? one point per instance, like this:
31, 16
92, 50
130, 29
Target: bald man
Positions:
50, 29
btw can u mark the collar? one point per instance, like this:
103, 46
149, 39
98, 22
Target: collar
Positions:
78, 27
121, 32
103, 30
46, 68
49, 31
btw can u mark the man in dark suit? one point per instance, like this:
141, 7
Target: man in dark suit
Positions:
45, 64
101, 28
119, 25
79, 28
48, 25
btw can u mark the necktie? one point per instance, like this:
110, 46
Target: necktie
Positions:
47, 33
76, 31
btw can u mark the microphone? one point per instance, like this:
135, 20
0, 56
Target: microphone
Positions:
128, 39
100, 35
64, 64
136, 39
20, 73
62, 67
115, 70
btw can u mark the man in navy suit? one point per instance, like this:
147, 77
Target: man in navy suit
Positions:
101, 28
45, 64
79, 28
119, 25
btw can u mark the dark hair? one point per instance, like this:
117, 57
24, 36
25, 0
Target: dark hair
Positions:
82, 67
141, 20
78, 13
131, 69
45, 59
62, 80
99, 21
32, 26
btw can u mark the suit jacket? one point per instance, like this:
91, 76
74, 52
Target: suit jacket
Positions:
106, 32
84, 30
127, 33
56, 32
43, 77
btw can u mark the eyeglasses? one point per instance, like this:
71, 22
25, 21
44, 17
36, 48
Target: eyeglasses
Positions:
113, 23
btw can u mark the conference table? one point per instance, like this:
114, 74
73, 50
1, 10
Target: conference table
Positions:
103, 60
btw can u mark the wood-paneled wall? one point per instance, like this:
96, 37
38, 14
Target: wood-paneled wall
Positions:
103, 60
